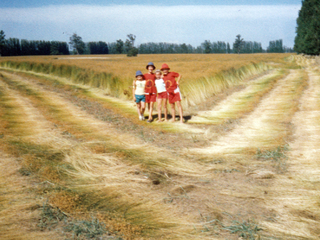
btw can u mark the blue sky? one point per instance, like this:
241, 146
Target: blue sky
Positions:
184, 21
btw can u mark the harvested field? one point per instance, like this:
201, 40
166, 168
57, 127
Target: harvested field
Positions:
76, 163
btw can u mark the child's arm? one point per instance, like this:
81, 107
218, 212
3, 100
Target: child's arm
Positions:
178, 79
133, 90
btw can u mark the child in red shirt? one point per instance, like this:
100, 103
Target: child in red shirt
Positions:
151, 90
172, 86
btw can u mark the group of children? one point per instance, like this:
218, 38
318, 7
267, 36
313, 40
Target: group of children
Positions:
157, 87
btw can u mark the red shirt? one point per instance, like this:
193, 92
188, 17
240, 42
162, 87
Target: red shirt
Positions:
150, 83
170, 81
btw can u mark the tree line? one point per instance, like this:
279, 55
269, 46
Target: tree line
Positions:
213, 47
16, 47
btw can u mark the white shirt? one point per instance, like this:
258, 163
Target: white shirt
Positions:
139, 87
161, 87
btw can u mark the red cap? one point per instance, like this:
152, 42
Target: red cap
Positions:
164, 66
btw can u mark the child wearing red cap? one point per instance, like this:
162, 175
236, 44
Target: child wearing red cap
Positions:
151, 90
172, 80
138, 92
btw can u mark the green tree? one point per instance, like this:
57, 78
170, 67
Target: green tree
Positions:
77, 44
29, 47
44, 47
131, 38
275, 46
98, 47
184, 48
59, 48
2, 41
133, 52
129, 46
54, 48
238, 44
199, 49
308, 28
119, 46
12, 47
207, 46
228, 48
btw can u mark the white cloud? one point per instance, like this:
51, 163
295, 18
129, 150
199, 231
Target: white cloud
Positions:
191, 24
60, 14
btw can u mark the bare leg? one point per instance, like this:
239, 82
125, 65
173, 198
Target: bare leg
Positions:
165, 109
139, 108
143, 108
180, 111
150, 110
159, 103
173, 112
148, 106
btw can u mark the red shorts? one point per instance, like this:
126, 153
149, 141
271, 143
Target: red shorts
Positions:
174, 97
163, 95
151, 97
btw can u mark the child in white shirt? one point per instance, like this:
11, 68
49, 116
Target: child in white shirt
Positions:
162, 96
138, 93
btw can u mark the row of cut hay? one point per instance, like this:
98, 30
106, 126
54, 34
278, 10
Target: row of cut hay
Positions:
194, 92
83, 183
241, 102
268, 126
198, 91
110, 83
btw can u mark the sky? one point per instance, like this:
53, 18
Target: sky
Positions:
185, 21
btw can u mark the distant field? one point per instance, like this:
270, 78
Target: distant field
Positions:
76, 162
191, 66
